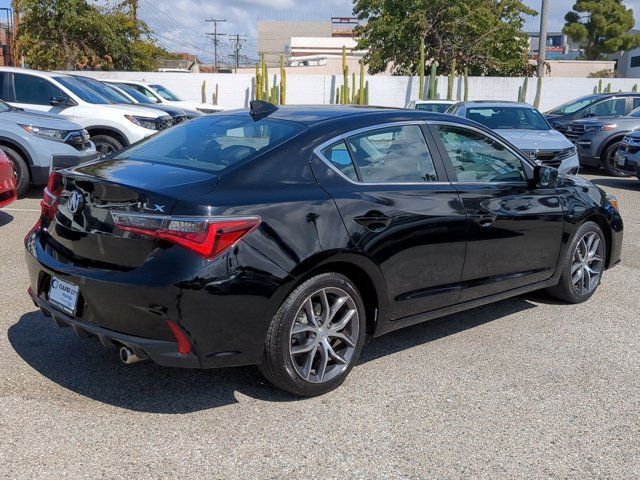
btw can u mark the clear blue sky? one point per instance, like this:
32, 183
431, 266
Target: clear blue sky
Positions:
179, 24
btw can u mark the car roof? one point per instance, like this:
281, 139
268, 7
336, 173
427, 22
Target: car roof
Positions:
494, 103
437, 100
38, 73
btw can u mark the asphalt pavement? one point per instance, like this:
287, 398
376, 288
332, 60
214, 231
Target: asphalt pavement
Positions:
525, 388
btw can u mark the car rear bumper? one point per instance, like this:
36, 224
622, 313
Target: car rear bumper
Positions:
628, 162
161, 352
40, 173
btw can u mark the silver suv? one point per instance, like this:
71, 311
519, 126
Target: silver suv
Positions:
37, 142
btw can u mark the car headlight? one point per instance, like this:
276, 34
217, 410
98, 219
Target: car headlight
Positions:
600, 128
144, 122
613, 201
49, 133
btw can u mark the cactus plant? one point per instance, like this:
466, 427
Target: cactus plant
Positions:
258, 83
466, 84
354, 93
536, 102
366, 93
452, 78
433, 81
203, 91
600, 86
216, 95
608, 89
283, 82
635, 88
361, 89
345, 76
421, 72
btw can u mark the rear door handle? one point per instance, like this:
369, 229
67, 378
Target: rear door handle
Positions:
373, 220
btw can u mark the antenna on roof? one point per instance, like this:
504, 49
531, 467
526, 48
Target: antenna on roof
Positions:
260, 109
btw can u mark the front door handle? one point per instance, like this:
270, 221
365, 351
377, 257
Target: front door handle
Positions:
373, 220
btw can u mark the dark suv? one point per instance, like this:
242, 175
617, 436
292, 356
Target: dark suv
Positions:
596, 105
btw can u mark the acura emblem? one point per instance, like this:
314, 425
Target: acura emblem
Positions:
75, 202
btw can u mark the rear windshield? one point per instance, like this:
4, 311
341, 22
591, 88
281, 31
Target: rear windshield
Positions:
433, 107
213, 142
497, 118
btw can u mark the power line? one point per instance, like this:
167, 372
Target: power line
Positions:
215, 36
238, 40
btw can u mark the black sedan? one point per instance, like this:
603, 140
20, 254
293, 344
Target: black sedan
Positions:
286, 237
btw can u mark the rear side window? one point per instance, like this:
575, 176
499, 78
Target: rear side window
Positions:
393, 155
214, 142
34, 90
338, 155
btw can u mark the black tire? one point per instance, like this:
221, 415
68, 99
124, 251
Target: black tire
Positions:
278, 365
106, 145
609, 161
20, 168
565, 290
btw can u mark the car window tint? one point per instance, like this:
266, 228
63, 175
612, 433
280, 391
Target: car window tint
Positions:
394, 154
145, 91
636, 102
34, 90
608, 108
339, 156
478, 158
6, 87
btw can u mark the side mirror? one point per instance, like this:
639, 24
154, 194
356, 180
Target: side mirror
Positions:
58, 101
545, 177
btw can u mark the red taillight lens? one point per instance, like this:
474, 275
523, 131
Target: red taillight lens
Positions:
184, 345
207, 236
50, 198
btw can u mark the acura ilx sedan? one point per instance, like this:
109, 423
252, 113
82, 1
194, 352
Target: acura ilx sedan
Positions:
286, 237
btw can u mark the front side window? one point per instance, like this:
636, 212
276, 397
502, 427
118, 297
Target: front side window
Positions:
213, 143
392, 155
519, 118
609, 108
145, 91
478, 158
166, 93
575, 105
34, 90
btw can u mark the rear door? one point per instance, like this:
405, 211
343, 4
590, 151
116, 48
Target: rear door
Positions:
514, 229
399, 208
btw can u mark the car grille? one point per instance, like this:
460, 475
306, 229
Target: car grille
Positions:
574, 131
180, 118
550, 158
78, 139
164, 122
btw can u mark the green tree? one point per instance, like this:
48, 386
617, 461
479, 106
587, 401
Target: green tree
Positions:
484, 36
601, 26
77, 34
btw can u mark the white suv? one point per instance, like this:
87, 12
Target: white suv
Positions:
110, 126
160, 94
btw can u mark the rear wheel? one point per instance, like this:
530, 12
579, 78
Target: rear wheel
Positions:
315, 337
609, 161
106, 145
583, 265
20, 170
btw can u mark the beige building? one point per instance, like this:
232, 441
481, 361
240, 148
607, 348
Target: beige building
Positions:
274, 37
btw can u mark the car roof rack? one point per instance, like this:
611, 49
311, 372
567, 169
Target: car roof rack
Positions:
260, 109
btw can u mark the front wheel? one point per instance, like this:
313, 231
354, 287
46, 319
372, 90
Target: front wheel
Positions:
20, 170
106, 145
316, 336
609, 161
583, 265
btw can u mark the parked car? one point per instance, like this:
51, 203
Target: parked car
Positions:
628, 155
177, 115
286, 236
160, 94
598, 139
437, 106
525, 128
596, 105
110, 126
37, 142
136, 97
7, 181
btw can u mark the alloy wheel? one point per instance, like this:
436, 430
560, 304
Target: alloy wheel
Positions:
587, 263
324, 334
104, 149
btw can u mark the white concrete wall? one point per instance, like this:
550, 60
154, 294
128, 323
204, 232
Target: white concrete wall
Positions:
235, 90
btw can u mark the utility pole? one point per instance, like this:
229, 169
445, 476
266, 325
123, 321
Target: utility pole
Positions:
542, 43
215, 36
237, 46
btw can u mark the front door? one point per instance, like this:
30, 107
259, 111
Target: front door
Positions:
35, 93
400, 209
514, 229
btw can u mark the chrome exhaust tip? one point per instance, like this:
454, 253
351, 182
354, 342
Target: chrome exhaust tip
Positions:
128, 356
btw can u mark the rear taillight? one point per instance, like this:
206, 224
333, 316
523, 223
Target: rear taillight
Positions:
51, 196
207, 236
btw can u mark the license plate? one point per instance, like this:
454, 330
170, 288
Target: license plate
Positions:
64, 295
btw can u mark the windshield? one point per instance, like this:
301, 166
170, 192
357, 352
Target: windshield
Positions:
166, 94
132, 92
213, 143
103, 90
433, 107
82, 91
496, 118
574, 105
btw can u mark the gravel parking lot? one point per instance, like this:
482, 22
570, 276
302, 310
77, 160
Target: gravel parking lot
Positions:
524, 388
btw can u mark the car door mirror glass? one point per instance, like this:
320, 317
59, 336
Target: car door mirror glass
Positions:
545, 177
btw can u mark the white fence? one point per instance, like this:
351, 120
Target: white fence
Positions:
235, 90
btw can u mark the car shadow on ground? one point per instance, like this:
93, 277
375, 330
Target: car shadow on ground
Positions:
5, 218
86, 368
632, 184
